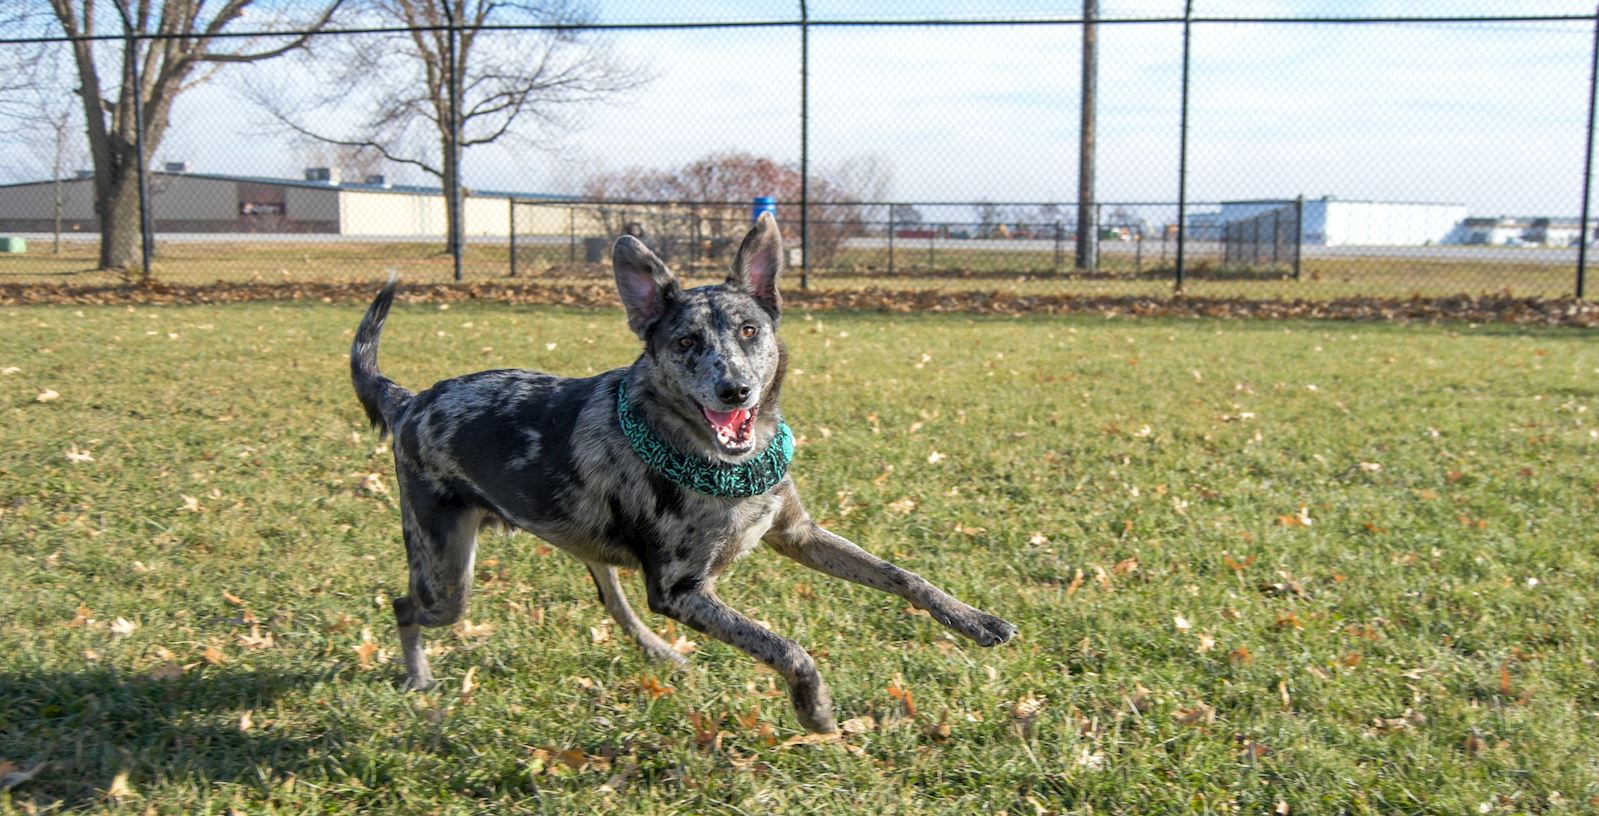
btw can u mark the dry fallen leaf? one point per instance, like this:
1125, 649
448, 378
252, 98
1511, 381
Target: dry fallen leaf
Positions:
1181, 622
47, 395
858, 725
75, 455
120, 789
190, 503
246, 722
1199, 714
170, 670
122, 627
232, 598
467, 629
214, 656
903, 506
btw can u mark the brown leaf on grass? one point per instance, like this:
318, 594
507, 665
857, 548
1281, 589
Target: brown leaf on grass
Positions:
1198, 714
1240, 655
655, 688
858, 725
1473, 744
1299, 518
246, 722
255, 640
473, 631
169, 670
1205, 644
120, 789
1076, 584
1352, 659
83, 617
365, 652
232, 598
938, 731
1027, 709
1235, 565
707, 730
906, 700
1289, 620
1139, 701
903, 506
214, 656
122, 627
1126, 566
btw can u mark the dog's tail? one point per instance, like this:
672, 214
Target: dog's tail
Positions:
383, 399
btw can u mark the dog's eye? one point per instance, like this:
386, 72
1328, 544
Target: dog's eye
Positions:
748, 331
686, 342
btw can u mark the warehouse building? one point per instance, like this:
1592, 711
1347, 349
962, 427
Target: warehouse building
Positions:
320, 203
1330, 221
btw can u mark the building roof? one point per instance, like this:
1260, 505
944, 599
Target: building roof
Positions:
401, 189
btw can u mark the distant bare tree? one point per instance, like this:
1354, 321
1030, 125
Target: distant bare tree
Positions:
389, 94
718, 190
185, 46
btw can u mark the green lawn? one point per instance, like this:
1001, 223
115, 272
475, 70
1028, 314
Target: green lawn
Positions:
1346, 567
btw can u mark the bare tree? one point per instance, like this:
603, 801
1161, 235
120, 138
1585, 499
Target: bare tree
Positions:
390, 94
717, 190
172, 45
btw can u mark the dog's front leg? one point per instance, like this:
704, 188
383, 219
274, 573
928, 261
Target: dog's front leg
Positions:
797, 536
701, 609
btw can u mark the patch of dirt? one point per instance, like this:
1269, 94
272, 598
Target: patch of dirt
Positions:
1467, 308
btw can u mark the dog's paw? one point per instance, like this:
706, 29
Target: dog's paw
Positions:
989, 630
414, 682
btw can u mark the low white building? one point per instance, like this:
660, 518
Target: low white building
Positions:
203, 202
1330, 221
1506, 231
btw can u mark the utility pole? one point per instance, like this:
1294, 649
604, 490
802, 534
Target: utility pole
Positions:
1087, 226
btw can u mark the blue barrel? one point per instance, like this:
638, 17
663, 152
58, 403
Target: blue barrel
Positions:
763, 204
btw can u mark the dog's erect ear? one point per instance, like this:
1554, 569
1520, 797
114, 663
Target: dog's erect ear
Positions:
759, 262
643, 282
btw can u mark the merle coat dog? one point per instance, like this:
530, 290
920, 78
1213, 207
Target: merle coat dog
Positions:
550, 455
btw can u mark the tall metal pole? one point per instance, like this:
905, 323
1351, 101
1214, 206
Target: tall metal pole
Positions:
805, 146
453, 154
1088, 226
1587, 161
1182, 153
130, 61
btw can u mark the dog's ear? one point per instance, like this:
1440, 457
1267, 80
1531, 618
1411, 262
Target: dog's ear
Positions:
643, 282
759, 262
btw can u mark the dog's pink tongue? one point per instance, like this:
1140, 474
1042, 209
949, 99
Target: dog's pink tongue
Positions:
728, 422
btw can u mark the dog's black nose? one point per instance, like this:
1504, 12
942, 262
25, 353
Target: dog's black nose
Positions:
733, 393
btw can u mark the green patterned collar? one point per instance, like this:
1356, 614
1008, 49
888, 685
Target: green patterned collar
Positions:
757, 476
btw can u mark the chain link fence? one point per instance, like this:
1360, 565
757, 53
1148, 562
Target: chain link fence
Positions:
1439, 150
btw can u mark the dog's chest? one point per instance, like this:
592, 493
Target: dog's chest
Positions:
721, 532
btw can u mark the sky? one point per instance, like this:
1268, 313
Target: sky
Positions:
1492, 116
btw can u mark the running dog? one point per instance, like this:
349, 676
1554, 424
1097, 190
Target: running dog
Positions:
675, 465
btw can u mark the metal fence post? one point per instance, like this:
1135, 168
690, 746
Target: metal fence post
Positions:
891, 215
1060, 245
932, 259
1299, 233
571, 231
452, 156
1182, 150
1587, 162
512, 228
805, 146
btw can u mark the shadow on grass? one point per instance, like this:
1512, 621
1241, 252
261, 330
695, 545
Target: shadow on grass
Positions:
89, 726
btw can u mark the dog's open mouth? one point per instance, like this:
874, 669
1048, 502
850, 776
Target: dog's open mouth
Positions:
735, 429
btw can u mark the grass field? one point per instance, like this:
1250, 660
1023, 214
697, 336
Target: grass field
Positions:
1328, 567
1029, 273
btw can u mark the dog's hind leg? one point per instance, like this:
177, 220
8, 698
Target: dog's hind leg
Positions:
440, 544
605, 579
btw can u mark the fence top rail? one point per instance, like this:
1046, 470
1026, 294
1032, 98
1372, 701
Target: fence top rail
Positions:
930, 22
745, 202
